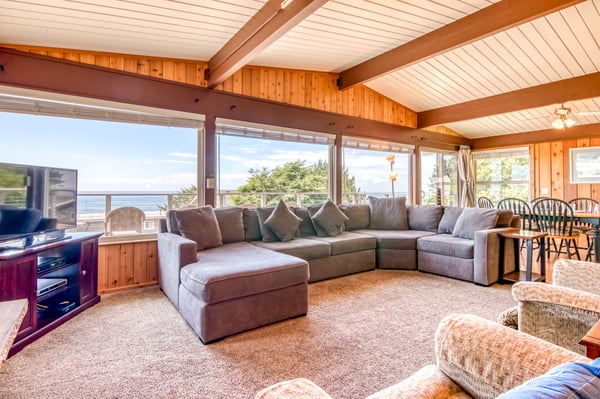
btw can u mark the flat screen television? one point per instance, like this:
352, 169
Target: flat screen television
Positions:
52, 190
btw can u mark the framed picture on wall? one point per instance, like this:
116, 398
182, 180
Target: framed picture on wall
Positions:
585, 165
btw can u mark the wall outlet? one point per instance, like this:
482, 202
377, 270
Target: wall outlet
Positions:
544, 190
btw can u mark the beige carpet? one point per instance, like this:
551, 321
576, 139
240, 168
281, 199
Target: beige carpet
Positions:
363, 333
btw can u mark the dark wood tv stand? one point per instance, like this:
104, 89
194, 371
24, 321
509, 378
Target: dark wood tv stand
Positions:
71, 263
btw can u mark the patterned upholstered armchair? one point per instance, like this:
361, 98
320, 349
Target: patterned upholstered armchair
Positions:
561, 312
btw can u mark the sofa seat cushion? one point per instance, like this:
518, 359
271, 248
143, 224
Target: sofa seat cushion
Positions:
347, 242
240, 269
304, 248
396, 239
447, 245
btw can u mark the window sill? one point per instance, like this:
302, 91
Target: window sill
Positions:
125, 239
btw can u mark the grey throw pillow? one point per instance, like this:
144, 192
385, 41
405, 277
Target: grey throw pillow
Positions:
388, 213
306, 228
312, 210
424, 217
330, 218
251, 225
474, 219
231, 223
449, 218
266, 233
200, 225
282, 222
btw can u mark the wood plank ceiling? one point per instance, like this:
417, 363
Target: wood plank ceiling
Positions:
526, 52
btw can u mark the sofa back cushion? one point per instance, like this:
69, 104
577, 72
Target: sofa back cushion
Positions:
358, 216
388, 213
231, 223
449, 217
200, 225
424, 217
251, 225
306, 228
474, 219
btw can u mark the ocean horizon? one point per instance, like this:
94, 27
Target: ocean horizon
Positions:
95, 202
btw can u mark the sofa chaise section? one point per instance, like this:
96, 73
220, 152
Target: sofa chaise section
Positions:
238, 286
222, 285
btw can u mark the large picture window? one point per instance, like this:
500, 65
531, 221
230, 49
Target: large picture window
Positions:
148, 166
259, 165
367, 166
439, 177
502, 174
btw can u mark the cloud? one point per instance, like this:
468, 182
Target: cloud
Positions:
183, 155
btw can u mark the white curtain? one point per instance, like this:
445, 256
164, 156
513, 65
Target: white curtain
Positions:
466, 172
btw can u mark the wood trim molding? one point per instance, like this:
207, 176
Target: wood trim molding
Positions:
581, 87
37, 72
485, 22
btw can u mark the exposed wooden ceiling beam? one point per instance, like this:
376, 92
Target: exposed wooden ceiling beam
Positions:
581, 87
539, 136
265, 27
485, 22
37, 72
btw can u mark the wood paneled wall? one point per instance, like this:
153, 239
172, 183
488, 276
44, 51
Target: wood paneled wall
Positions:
550, 169
127, 265
302, 88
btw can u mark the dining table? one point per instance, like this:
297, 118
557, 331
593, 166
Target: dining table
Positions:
593, 219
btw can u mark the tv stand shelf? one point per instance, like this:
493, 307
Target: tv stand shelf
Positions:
59, 279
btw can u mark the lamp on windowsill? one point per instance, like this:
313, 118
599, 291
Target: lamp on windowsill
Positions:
393, 175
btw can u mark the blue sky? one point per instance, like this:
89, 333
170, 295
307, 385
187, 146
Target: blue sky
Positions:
113, 157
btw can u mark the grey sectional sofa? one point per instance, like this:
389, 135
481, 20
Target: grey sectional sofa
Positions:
231, 269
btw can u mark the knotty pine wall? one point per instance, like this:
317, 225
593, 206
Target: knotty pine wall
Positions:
550, 168
302, 88
127, 265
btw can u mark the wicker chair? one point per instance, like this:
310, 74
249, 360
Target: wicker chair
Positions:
126, 220
561, 312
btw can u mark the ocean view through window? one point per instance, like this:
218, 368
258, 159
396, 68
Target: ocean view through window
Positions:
150, 167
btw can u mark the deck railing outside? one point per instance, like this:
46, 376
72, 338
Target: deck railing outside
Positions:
92, 208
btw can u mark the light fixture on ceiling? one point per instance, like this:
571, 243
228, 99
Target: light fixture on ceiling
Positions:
285, 3
563, 118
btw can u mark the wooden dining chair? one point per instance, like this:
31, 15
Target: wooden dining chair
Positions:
555, 217
485, 202
521, 208
584, 204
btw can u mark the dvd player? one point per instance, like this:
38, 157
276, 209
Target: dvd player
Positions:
45, 285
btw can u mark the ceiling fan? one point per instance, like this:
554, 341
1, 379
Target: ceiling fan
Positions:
564, 118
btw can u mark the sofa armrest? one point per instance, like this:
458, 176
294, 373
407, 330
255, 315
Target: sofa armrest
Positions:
427, 383
299, 388
556, 314
577, 274
487, 256
486, 359
174, 252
